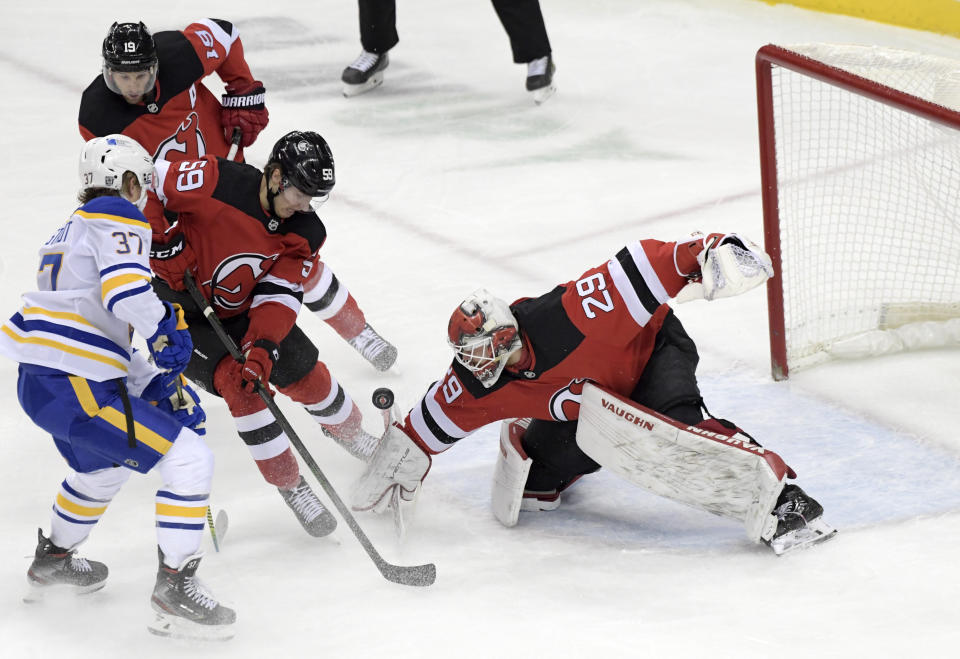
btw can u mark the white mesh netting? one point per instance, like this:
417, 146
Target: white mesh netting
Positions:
869, 201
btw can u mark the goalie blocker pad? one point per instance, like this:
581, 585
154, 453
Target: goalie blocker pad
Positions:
725, 475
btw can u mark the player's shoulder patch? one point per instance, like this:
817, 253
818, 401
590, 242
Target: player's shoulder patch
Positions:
549, 328
179, 65
307, 225
113, 209
238, 185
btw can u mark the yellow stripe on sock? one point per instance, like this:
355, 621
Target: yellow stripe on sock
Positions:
180, 511
77, 509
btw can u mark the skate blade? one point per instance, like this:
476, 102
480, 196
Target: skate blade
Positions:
372, 83
540, 96
815, 532
177, 627
222, 525
37, 593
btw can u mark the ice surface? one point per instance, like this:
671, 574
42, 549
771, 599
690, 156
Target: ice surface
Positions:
449, 178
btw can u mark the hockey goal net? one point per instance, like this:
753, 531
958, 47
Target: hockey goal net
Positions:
860, 166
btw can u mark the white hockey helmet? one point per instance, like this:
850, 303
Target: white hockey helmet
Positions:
483, 333
103, 161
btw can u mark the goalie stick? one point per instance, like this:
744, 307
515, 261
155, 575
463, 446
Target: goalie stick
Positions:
383, 399
407, 575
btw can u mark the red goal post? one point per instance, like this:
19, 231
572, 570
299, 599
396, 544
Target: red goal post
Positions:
860, 174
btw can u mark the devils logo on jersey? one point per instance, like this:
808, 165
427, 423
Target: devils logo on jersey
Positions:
186, 144
565, 404
234, 278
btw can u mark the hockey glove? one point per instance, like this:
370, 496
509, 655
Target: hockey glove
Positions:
244, 108
729, 265
394, 473
171, 256
259, 356
171, 345
180, 401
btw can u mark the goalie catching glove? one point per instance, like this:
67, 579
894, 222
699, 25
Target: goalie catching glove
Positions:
395, 472
728, 265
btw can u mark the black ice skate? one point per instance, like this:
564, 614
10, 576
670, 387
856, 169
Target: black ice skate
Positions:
374, 348
315, 519
185, 608
799, 521
55, 568
540, 78
364, 74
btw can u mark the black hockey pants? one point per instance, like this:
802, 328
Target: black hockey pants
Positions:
668, 385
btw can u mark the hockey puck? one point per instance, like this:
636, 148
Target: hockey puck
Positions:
383, 398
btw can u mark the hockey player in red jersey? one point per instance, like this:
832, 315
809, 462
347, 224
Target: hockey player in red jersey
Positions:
251, 238
612, 329
152, 90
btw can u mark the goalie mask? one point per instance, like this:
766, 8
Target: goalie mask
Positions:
483, 333
104, 160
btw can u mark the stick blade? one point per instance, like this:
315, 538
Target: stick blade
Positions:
222, 524
410, 575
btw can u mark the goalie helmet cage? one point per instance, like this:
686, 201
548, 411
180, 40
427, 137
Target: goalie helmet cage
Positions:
860, 172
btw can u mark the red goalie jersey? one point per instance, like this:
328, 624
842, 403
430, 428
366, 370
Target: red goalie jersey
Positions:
247, 260
600, 327
182, 119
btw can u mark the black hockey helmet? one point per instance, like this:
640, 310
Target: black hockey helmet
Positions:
306, 162
129, 47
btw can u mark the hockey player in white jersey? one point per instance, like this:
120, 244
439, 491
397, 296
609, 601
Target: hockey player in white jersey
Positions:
109, 410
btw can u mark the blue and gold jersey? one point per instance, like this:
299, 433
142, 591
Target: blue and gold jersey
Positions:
93, 287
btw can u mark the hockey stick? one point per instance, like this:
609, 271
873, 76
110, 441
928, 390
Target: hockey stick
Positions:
383, 400
234, 143
210, 523
407, 575
213, 529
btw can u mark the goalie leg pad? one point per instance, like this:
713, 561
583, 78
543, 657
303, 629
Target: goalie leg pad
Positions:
728, 476
510, 472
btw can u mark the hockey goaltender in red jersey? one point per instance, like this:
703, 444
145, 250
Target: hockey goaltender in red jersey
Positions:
151, 89
599, 372
251, 238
